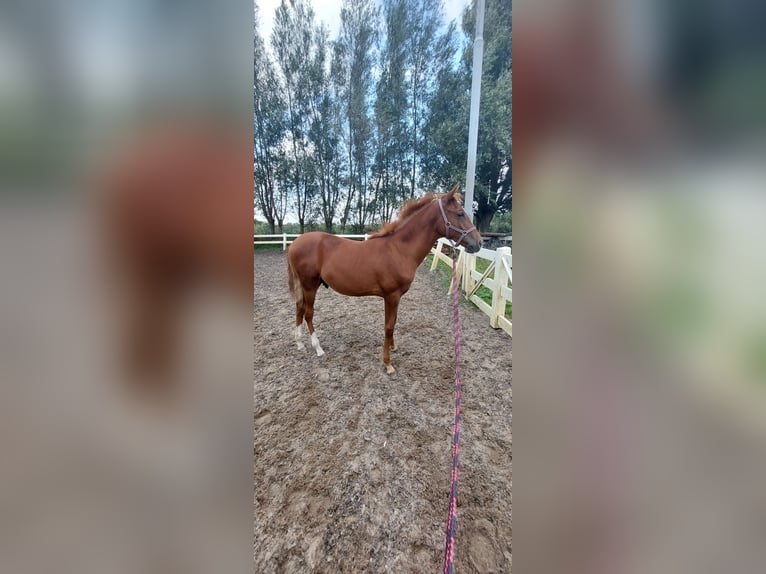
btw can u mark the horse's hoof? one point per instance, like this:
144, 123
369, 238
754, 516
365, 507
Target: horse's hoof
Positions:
301, 347
390, 369
320, 352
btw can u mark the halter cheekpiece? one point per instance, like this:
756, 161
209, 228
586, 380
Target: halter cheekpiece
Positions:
448, 226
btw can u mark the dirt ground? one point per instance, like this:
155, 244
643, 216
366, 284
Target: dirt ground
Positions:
352, 465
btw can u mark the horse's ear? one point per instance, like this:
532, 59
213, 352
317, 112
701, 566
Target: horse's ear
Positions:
452, 194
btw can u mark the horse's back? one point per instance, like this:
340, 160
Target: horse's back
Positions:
319, 244
305, 246
307, 239
318, 253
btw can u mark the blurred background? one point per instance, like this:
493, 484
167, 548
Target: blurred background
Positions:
126, 325
640, 387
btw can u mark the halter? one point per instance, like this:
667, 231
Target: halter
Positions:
448, 226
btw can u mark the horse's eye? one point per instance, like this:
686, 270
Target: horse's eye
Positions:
460, 213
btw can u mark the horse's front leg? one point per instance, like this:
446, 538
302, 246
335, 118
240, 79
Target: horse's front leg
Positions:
392, 307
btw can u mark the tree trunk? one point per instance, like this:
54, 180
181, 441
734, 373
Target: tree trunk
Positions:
484, 218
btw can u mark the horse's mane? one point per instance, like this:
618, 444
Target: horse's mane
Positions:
407, 210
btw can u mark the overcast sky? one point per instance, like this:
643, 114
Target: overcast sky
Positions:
328, 11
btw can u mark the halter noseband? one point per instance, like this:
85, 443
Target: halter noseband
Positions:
448, 226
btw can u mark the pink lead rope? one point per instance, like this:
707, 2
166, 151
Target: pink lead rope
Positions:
449, 550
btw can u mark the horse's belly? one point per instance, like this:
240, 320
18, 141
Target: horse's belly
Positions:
350, 276
357, 270
357, 282
353, 286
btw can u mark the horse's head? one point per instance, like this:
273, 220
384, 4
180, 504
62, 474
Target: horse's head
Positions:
457, 224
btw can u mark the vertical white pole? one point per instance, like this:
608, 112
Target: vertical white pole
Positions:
473, 125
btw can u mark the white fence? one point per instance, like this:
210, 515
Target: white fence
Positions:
285, 239
497, 277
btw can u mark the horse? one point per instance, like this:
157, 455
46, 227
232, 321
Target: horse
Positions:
383, 266
174, 202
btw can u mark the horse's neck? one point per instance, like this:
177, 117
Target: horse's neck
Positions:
418, 234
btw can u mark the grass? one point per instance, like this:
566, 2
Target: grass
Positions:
482, 264
267, 247
445, 271
445, 275
485, 294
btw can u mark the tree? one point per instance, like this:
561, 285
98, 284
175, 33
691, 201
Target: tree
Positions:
427, 52
493, 189
447, 124
446, 129
414, 52
345, 131
353, 61
390, 111
324, 130
268, 132
293, 40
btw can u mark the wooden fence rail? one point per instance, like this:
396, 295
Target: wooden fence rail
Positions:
497, 277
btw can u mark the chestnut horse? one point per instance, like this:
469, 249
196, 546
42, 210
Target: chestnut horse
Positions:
175, 205
383, 266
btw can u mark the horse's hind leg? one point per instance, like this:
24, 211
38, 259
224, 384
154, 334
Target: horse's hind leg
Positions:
308, 300
299, 324
296, 290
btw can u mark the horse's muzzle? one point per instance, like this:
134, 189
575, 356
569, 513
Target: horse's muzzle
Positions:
471, 246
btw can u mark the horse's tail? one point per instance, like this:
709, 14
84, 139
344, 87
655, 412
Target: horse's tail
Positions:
294, 282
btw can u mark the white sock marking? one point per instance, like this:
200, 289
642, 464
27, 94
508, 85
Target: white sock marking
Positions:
315, 344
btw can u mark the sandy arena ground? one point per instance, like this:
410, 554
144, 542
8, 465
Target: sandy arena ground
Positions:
352, 465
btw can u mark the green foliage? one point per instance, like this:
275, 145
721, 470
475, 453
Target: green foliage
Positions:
502, 223
261, 228
257, 247
447, 129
